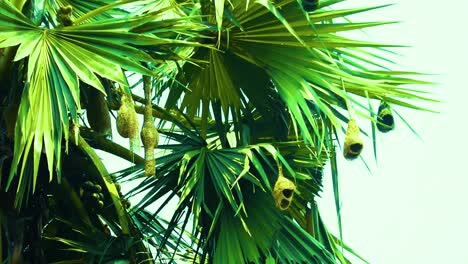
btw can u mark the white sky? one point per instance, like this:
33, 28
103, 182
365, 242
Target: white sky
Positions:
413, 209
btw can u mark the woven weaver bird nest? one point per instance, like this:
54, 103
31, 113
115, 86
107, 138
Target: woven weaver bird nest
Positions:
353, 143
385, 120
283, 191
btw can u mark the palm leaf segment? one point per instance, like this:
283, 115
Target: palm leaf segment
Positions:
59, 58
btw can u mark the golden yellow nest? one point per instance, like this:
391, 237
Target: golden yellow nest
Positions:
283, 192
353, 143
127, 122
149, 137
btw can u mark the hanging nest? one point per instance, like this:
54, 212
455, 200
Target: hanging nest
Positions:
149, 138
127, 122
353, 143
283, 191
385, 120
97, 112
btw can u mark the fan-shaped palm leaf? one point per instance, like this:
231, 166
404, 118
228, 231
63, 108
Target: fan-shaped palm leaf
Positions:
58, 59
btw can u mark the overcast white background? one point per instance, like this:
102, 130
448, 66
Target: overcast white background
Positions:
414, 208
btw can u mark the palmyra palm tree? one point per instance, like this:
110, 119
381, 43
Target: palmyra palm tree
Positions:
246, 98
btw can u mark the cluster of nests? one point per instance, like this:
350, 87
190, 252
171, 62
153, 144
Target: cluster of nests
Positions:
127, 120
128, 127
97, 114
353, 143
283, 191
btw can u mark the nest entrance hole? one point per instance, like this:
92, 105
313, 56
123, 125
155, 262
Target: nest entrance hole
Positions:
288, 193
356, 147
284, 203
387, 120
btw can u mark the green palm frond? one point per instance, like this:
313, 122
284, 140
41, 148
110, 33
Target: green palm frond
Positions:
227, 194
246, 92
47, 13
58, 59
272, 60
97, 245
177, 246
302, 54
